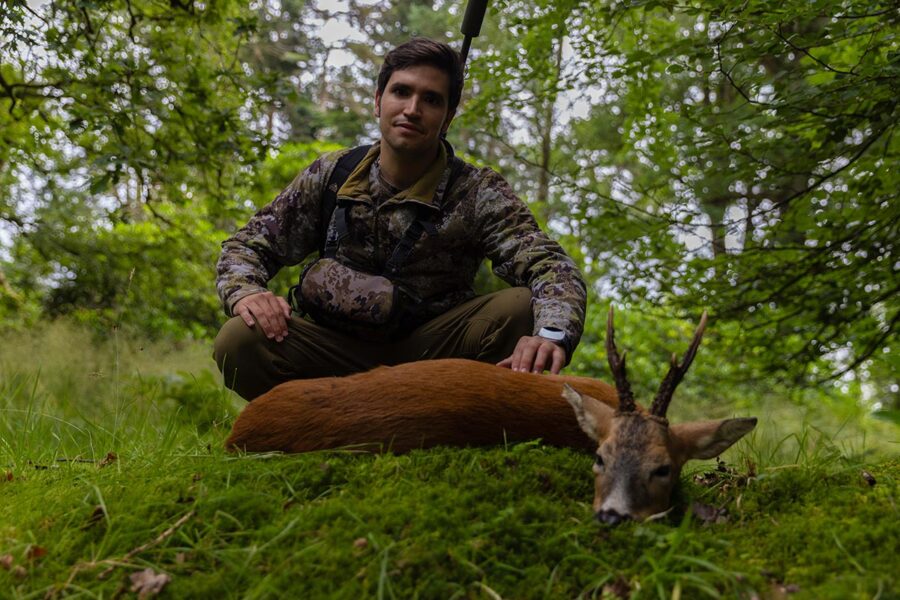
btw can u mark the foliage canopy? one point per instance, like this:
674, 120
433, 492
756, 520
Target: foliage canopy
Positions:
737, 156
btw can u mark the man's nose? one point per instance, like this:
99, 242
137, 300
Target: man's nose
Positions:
413, 105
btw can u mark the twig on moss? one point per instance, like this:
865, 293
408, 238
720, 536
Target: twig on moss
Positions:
159, 539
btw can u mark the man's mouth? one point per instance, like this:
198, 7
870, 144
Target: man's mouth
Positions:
408, 127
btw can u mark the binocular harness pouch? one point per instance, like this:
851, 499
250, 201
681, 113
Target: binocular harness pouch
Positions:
345, 298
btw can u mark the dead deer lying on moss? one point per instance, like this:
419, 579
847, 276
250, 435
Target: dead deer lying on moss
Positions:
466, 403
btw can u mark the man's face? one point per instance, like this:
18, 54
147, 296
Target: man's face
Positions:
413, 111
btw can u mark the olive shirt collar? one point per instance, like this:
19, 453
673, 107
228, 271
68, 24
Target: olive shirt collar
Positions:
428, 190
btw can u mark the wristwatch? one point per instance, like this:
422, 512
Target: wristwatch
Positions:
553, 334
558, 337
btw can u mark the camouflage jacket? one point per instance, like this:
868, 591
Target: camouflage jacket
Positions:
478, 217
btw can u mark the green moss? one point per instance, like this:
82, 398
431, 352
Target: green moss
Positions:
440, 523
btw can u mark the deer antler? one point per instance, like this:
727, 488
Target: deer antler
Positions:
676, 373
617, 366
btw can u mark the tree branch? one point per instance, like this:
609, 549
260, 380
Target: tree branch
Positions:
784, 39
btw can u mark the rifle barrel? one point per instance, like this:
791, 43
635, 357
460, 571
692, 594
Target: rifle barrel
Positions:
471, 25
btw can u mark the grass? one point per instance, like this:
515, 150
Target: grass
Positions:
800, 518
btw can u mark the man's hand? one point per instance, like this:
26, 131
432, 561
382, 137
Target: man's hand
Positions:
535, 354
269, 311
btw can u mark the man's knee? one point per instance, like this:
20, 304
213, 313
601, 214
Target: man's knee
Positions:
511, 314
515, 304
239, 352
510, 310
252, 364
235, 341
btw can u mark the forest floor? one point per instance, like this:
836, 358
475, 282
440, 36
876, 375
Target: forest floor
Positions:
114, 481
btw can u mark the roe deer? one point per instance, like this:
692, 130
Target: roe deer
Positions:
467, 403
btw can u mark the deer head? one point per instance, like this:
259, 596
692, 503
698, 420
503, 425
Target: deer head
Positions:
640, 455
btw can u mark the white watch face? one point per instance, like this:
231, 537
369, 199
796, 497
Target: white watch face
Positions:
552, 334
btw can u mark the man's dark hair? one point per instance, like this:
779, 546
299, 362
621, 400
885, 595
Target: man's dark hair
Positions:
423, 51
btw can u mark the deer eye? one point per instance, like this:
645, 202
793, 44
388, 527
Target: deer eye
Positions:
663, 471
598, 460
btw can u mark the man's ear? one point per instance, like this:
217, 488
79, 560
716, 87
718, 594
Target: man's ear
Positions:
447, 121
377, 103
593, 416
706, 439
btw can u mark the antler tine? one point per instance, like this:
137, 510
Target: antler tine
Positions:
617, 366
676, 373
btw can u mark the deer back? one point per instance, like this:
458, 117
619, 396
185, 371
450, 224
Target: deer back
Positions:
422, 404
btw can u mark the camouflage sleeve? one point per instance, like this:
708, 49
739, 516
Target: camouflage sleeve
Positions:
523, 255
280, 234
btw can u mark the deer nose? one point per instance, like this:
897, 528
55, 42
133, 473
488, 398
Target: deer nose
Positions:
611, 517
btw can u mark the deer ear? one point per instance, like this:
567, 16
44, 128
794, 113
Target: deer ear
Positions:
706, 439
593, 416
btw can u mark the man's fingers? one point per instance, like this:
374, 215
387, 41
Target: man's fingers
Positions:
262, 318
279, 316
272, 320
535, 354
540, 359
526, 358
245, 314
285, 308
550, 356
264, 311
267, 311
245, 309
559, 360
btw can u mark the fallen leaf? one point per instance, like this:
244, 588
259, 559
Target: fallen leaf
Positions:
148, 582
726, 477
98, 515
9, 476
706, 479
6, 561
180, 558
545, 481
780, 591
618, 588
751, 469
35, 552
360, 543
19, 572
108, 460
708, 513
868, 477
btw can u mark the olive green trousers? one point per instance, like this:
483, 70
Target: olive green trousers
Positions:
485, 328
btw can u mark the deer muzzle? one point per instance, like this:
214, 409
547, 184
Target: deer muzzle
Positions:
611, 517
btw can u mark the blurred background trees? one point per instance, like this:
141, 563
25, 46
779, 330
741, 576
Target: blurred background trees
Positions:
734, 156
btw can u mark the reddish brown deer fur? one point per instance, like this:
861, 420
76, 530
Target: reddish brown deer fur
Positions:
452, 402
